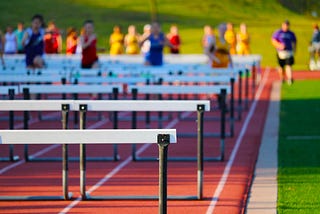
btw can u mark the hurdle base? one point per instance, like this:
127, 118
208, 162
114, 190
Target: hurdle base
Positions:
74, 159
143, 118
217, 135
35, 198
52, 118
8, 159
178, 159
141, 197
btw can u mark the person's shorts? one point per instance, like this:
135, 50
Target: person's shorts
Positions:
88, 66
284, 62
314, 47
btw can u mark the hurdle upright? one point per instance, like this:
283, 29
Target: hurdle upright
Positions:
10, 91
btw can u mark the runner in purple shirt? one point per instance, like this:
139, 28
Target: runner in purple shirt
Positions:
285, 43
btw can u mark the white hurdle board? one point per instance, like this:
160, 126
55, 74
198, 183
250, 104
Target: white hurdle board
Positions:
197, 79
52, 89
30, 78
86, 136
34, 105
181, 89
110, 80
142, 105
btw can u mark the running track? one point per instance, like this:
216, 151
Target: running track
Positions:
226, 184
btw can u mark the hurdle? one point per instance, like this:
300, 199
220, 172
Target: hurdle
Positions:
110, 80
31, 78
215, 80
163, 137
198, 106
10, 91
36, 105
53, 89
188, 89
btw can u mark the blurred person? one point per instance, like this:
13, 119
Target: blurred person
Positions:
230, 37
116, 41
79, 48
10, 42
89, 46
145, 45
19, 32
314, 49
1, 48
220, 53
131, 41
157, 42
52, 39
72, 41
174, 38
243, 40
33, 43
285, 42
208, 39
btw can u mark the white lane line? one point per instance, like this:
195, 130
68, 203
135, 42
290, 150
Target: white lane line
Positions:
118, 168
227, 169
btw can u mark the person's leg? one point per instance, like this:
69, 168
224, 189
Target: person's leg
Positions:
281, 69
317, 61
288, 71
38, 62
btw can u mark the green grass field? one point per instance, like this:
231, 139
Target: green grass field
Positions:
299, 157
261, 16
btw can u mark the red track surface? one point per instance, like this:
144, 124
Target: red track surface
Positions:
141, 178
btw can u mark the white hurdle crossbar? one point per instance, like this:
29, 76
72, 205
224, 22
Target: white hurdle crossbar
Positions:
163, 137
30, 78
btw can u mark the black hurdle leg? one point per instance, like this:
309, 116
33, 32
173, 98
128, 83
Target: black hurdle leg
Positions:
163, 143
12, 157
240, 96
148, 119
116, 157
200, 114
83, 111
26, 96
160, 113
223, 124
75, 115
232, 108
254, 79
134, 124
65, 156
246, 91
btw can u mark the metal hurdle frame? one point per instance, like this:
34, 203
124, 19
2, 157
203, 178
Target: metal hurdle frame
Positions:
154, 105
27, 89
186, 89
10, 91
44, 105
216, 80
37, 105
163, 137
